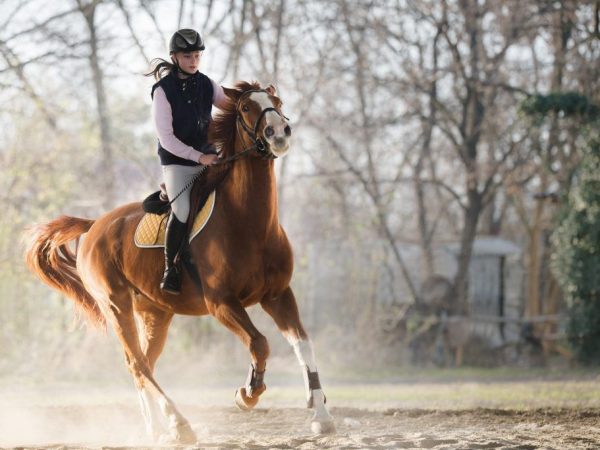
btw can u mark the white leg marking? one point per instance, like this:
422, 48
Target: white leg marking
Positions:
145, 412
178, 425
322, 420
151, 417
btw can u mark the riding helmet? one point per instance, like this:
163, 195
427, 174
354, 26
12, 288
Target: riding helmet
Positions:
186, 40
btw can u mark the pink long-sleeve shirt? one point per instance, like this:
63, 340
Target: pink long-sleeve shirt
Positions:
163, 122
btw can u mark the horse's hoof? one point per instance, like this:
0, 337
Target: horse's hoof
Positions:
322, 426
243, 402
164, 439
185, 435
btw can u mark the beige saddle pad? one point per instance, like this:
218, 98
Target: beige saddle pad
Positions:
150, 232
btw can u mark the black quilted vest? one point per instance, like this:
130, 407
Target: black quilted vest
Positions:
191, 104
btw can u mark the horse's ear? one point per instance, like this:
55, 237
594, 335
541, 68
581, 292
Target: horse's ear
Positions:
271, 90
233, 94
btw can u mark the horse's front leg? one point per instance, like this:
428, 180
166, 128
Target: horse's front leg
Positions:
284, 312
231, 314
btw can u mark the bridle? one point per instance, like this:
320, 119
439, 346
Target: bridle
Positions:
258, 144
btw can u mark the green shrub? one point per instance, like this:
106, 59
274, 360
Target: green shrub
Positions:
576, 259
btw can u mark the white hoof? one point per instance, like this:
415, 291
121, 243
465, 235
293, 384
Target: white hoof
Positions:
155, 436
323, 426
176, 439
243, 402
165, 439
184, 434
239, 401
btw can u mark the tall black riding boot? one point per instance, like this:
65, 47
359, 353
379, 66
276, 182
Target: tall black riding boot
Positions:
175, 233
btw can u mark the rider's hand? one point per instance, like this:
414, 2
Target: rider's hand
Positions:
208, 160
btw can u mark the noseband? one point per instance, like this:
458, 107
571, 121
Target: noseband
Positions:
258, 143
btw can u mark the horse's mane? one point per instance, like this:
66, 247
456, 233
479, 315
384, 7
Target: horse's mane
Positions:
222, 135
223, 128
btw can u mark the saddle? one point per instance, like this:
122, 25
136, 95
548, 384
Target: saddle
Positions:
150, 232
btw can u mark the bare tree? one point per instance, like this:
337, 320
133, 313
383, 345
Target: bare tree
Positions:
467, 111
18, 67
88, 11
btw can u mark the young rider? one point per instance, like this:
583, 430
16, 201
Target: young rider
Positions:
182, 100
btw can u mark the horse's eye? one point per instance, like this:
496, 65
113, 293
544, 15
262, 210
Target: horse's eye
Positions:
245, 108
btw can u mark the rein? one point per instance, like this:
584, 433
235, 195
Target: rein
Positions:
235, 156
259, 146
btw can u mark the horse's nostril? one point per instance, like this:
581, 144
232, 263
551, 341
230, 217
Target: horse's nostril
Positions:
269, 131
287, 130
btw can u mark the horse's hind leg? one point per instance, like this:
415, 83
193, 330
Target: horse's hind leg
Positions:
139, 365
284, 312
234, 316
154, 325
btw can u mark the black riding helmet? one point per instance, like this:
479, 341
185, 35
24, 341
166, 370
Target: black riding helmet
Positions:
186, 40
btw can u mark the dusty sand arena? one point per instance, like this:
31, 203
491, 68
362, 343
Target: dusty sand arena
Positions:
287, 428
519, 415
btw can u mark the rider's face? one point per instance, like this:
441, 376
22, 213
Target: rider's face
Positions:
188, 61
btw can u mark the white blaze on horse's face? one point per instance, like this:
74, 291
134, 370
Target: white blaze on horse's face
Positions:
276, 130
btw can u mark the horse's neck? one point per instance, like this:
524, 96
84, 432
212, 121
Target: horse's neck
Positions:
252, 192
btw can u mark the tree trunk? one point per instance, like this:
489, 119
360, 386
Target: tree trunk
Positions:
533, 305
423, 226
460, 285
537, 246
107, 164
473, 114
238, 44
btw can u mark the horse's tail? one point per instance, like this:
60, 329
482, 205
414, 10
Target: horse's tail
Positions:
49, 256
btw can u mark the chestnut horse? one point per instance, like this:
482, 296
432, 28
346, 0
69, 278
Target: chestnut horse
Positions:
243, 257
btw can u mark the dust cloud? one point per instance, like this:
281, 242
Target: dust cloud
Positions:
79, 394
74, 425
115, 425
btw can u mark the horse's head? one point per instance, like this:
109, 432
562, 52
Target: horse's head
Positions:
259, 116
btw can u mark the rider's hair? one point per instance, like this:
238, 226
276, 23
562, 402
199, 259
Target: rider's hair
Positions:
160, 68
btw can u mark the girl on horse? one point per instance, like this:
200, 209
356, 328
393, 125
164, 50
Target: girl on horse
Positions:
182, 100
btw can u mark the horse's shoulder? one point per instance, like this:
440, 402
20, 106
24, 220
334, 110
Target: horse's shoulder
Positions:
283, 240
280, 248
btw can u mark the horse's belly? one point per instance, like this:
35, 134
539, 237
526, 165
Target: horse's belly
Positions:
246, 303
193, 310
190, 302
271, 284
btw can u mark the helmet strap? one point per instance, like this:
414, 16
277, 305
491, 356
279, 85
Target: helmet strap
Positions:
179, 69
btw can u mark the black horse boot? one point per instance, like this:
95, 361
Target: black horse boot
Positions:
175, 233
